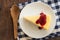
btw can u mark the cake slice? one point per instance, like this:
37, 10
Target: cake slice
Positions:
44, 20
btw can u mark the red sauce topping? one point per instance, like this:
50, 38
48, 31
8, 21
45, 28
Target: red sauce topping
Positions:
41, 20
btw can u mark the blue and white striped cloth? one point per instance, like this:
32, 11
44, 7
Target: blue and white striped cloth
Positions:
55, 5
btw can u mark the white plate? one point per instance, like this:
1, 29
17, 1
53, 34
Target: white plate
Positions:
34, 9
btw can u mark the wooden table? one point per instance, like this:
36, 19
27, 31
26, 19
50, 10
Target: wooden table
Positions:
6, 25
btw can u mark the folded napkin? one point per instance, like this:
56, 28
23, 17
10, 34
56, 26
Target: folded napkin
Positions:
55, 5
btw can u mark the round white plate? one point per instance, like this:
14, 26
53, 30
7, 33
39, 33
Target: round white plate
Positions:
34, 9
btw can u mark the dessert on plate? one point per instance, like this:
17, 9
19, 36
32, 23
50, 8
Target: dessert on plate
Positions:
42, 21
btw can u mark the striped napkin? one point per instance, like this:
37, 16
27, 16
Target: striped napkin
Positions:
55, 5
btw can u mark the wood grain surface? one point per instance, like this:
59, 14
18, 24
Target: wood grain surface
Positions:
6, 25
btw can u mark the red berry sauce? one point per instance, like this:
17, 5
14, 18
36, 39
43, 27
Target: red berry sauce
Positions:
41, 20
